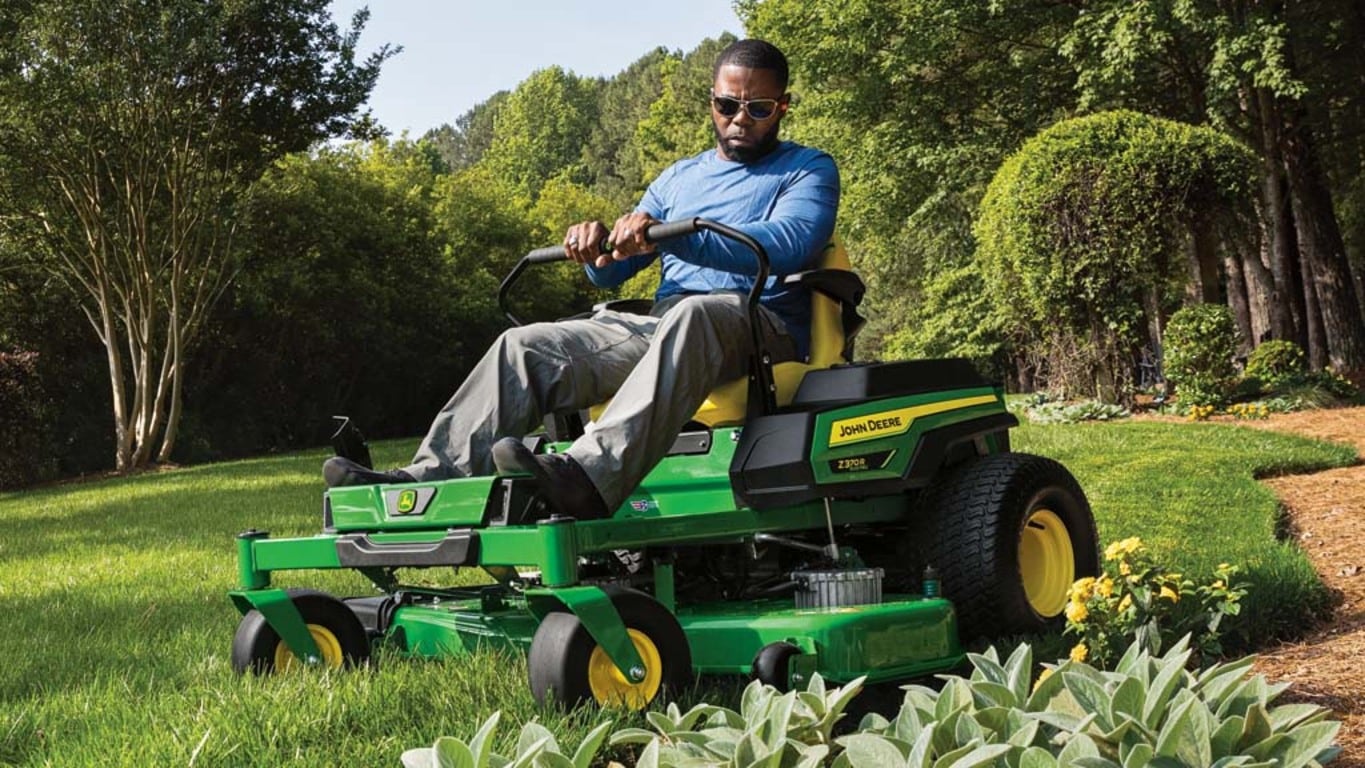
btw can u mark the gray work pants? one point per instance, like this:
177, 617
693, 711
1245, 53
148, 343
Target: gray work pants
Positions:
657, 369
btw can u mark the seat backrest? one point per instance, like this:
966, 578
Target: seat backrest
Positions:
727, 404
827, 333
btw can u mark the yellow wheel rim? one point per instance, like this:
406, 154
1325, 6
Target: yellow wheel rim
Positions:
326, 642
1047, 562
610, 687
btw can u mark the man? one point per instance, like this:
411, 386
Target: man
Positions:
658, 369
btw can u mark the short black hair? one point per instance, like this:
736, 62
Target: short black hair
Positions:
754, 54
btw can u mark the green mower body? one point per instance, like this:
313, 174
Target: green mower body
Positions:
863, 530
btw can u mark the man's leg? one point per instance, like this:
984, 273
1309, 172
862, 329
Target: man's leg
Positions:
701, 342
528, 372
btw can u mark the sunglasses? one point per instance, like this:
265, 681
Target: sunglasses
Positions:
758, 109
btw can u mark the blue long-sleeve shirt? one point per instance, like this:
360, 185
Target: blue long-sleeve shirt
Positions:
787, 201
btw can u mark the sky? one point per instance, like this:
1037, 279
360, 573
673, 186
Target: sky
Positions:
457, 53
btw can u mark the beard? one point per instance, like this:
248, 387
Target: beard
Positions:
747, 153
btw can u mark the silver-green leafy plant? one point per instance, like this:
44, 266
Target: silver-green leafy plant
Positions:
793, 729
536, 747
1150, 711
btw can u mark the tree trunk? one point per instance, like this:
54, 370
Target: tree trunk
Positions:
1202, 252
1321, 246
1277, 221
1240, 304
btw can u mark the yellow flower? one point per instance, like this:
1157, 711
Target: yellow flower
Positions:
1125, 569
1219, 584
1080, 590
1105, 587
1046, 673
1079, 652
1120, 548
1076, 612
1125, 603
1170, 594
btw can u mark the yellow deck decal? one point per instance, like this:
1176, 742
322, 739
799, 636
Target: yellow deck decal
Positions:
897, 422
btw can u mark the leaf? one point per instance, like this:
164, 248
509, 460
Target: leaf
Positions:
533, 733
1094, 762
1043, 693
989, 668
907, 724
1214, 682
1037, 757
993, 694
1092, 697
779, 720
631, 736
421, 757
867, 751
1163, 687
1134, 662
1287, 717
482, 743
1078, 746
922, 752
1256, 729
1186, 734
587, 749
951, 756
968, 730
1128, 698
551, 760
526, 753
1304, 744
982, 755
839, 699
1025, 735
1019, 667
649, 756
811, 755
955, 697
1223, 740
452, 753
1140, 755
661, 722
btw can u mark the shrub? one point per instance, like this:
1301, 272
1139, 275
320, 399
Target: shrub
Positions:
1150, 711
1201, 341
1136, 599
26, 443
1275, 363
1073, 413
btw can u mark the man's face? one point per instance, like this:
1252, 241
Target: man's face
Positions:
740, 135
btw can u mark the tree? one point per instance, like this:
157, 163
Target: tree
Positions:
541, 129
129, 133
464, 144
678, 123
1084, 233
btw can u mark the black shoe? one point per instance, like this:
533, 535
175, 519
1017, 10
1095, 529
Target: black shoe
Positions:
562, 481
339, 471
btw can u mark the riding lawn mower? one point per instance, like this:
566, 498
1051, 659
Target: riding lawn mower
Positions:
847, 519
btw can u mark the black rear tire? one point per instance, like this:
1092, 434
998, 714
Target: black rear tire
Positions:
1008, 534
340, 636
566, 664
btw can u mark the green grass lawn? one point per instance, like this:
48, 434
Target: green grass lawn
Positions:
115, 627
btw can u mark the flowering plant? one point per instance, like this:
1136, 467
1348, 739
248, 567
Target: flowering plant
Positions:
1136, 599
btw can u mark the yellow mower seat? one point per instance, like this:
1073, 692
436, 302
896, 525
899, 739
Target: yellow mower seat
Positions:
727, 404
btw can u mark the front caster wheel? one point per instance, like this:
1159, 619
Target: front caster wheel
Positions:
567, 665
339, 636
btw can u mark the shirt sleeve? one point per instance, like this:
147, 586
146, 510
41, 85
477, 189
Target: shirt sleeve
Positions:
795, 232
618, 272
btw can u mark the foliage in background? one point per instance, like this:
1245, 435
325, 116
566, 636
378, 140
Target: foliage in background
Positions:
129, 132
24, 410
1275, 363
540, 131
1201, 342
1082, 238
1138, 600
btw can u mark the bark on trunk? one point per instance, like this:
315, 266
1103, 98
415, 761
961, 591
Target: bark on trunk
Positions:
1277, 221
1322, 249
1241, 306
